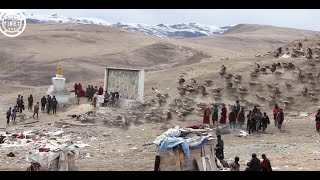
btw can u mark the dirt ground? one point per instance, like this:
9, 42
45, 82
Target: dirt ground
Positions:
293, 149
29, 71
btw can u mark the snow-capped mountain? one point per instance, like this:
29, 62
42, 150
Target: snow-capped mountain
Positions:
163, 30
173, 30
34, 18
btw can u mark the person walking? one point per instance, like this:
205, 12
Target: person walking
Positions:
30, 102
280, 118
8, 115
36, 110
43, 103
14, 113
54, 105
264, 121
276, 110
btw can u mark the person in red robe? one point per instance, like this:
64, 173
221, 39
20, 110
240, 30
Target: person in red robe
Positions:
206, 115
275, 113
223, 118
100, 90
265, 164
280, 118
79, 87
318, 121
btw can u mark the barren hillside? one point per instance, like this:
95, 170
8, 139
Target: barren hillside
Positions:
28, 62
246, 39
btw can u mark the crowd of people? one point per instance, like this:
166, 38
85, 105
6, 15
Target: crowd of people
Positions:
47, 103
254, 165
256, 120
110, 99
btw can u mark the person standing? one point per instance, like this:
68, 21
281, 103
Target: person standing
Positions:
49, 104
265, 121
95, 99
215, 115
219, 147
223, 118
255, 110
30, 102
248, 119
88, 92
235, 166
276, 110
43, 103
14, 113
54, 105
206, 115
8, 115
238, 107
254, 164
252, 124
36, 110
21, 104
232, 119
318, 121
258, 117
241, 118
265, 164
18, 102
100, 90
280, 118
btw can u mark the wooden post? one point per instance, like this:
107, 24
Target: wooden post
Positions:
177, 158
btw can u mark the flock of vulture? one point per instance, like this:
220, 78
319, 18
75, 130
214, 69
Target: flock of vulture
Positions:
236, 88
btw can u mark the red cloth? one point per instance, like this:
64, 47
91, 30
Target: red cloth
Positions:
318, 125
43, 149
82, 93
276, 110
21, 136
100, 90
266, 165
223, 118
79, 87
206, 116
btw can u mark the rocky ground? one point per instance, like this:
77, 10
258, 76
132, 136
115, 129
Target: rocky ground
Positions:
121, 147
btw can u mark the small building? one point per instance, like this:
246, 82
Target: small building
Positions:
129, 83
186, 149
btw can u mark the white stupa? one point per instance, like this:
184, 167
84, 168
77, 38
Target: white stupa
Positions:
58, 88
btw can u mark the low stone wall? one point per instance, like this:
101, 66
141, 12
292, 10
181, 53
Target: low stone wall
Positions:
127, 103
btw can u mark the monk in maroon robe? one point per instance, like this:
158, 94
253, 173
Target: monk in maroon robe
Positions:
206, 116
265, 164
318, 120
223, 118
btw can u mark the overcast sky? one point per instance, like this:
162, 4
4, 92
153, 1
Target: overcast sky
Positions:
293, 18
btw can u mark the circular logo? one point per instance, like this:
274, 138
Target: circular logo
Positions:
12, 23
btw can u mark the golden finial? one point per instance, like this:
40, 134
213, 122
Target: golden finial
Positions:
59, 69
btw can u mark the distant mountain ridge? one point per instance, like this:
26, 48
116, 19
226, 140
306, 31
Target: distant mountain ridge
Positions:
185, 30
